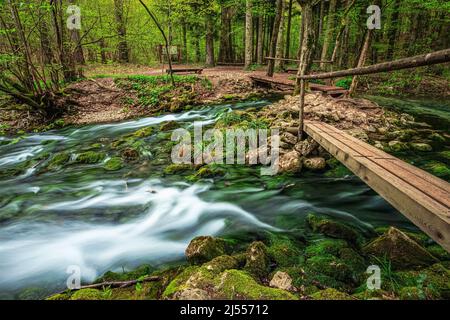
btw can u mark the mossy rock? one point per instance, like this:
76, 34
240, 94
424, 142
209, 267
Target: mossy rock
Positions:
445, 154
238, 285
439, 169
207, 172
87, 294
58, 160
177, 168
439, 252
401, 250
257, 260
333, 229
204, 249
397, 146
90, 157
420, 147
284, 252
59, 297
130, 154
114, 164
170, 125
332, 263
436, 137
144, 132
331, 294
222, 263
433, 282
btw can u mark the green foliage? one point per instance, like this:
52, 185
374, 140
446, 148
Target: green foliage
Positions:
344, 83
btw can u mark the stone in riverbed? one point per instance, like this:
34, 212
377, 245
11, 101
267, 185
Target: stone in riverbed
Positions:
257, 260
114, 164
402, 251
332, 228
306, 147
421, 147
289, 138
281, 280
204, 249
290, 163
315, 164
397, 146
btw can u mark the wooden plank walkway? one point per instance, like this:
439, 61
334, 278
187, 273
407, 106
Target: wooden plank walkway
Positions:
420, 196
283, 81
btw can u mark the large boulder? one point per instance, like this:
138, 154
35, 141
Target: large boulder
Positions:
401, 250
315, 164
204, 249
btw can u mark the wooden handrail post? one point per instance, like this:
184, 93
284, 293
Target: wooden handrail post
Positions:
301, 113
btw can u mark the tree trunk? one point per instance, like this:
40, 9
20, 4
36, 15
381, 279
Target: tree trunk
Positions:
248, 34
362, 60
287, 52
274, 37
260, 48
279, 52
122, 48
329, 32
185, 48
226, 50
210, 41
307, 46
392, 32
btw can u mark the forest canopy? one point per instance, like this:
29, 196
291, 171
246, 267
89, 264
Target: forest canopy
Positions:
38, 52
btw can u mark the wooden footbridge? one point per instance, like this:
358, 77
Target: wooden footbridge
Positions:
418, 195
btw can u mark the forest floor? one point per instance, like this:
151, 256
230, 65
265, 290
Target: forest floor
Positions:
99, 99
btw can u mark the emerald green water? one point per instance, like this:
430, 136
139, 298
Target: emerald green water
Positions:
86, 216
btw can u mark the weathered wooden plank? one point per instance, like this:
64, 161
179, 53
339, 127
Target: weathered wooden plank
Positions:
401, 188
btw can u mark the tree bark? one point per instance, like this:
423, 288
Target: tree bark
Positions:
392, 32
210, 41
279, 52
329, 32
274, 38
225, 50
248, 34
260, 47
122, 48
362, 60
287, 52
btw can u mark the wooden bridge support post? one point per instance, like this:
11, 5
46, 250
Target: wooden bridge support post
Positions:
301, 113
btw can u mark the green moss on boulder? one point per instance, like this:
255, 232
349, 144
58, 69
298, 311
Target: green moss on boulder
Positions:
177, 168
257, 260
87, 294
401, 250
332, 228
114, 164
331, 294
58, 160
90, 157
204, 249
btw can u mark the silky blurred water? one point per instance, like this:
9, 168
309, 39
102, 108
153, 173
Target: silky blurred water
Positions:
83, 215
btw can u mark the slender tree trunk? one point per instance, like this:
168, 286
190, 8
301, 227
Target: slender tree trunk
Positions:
248, 34
185, 48
287, 52
274, 38
307, 46
210, 41
260, 48
361, 60
329, 33
279, 52
392, 32
122, 48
